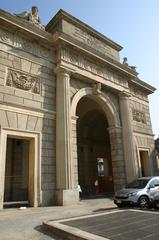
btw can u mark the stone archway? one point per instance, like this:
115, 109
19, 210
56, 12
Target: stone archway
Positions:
102, 106
93, 149
103, 100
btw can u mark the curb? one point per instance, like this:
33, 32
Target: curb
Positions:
59, 228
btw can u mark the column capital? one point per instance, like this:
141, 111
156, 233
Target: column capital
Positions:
124, 95
74, 119
60, 70
114, 129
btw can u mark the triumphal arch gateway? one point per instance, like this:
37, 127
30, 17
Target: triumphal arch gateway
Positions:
70, 112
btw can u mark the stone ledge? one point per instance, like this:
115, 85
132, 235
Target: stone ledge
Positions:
59, 228
71, 232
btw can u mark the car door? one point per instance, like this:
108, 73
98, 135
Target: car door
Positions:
153, 189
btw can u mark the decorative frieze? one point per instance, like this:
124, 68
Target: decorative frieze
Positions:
138, 116
137, 93
84, 63
25, 44
23, 81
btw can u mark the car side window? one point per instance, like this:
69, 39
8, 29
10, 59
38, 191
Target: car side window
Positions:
154, 183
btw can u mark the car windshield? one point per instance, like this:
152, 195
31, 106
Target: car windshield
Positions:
138, 183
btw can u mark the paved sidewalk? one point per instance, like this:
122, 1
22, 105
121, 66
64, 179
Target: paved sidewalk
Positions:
16, 224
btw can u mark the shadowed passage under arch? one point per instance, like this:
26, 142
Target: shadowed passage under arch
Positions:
94, 154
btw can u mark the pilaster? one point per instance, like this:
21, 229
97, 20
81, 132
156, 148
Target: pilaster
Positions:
117, 155
65, 193
128, 141
3, 142
74, 152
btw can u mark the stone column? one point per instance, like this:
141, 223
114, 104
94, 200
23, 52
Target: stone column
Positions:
117, 156
128, 141
3, 143
65, 193
74, 152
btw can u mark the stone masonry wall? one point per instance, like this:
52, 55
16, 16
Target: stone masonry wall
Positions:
27, 97
140, 114
141, 123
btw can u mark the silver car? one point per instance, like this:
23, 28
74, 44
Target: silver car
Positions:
142, 192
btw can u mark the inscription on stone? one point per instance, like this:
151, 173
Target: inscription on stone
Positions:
23, 81
91, 41
138, 116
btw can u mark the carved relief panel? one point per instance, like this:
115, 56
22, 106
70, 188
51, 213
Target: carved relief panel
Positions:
23, 81
138, 116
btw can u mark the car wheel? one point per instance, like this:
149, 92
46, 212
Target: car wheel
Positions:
157, 205
144, 202
120, 205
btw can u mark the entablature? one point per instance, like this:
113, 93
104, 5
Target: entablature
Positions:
86, 71
62, 40
69, 51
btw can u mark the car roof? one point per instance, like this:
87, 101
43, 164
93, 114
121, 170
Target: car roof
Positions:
148, 178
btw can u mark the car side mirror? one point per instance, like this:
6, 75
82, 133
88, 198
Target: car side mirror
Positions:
151, 186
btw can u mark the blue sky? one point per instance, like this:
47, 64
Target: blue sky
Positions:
132, 24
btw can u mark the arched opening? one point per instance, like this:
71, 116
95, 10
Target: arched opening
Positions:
93, 149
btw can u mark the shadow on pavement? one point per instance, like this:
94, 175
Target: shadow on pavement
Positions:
104, 209
46, 232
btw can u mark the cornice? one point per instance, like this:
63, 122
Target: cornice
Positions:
145, 134
26, 109
150, 89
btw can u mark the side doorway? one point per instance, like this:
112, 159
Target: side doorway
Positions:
19, 169
144, 163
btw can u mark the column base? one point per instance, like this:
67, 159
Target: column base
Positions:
1, 205
67, 197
